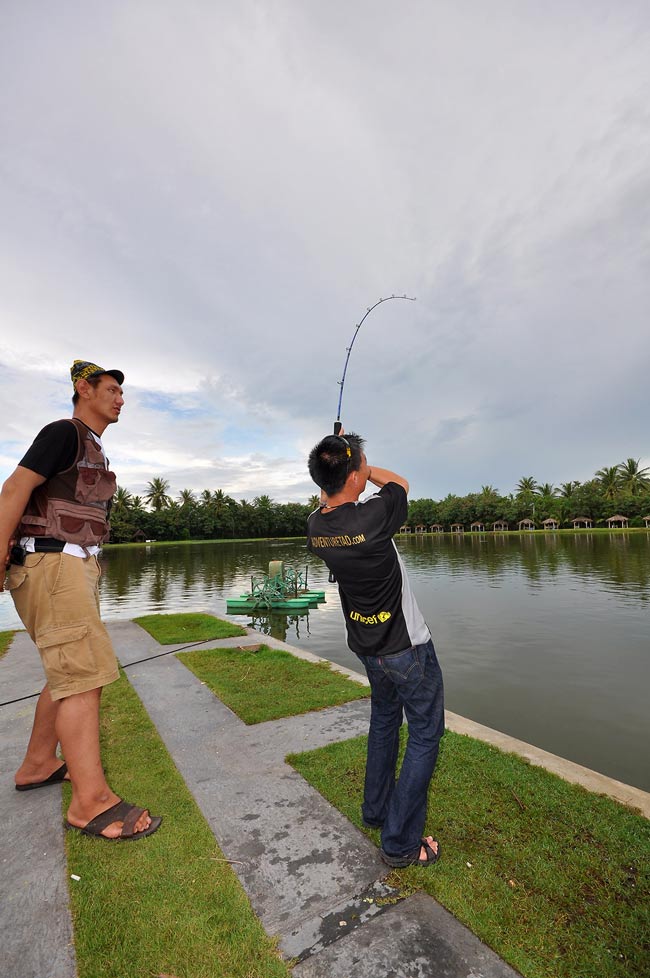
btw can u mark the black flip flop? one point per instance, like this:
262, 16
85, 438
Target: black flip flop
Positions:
120, 812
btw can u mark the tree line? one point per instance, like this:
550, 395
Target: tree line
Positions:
622, 489
212, 514
208, 515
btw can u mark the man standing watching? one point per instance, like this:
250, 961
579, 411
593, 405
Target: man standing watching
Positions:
388, 633
53, 517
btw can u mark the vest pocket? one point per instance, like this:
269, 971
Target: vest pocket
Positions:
83, 525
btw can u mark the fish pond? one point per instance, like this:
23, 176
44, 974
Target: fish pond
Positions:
543, 636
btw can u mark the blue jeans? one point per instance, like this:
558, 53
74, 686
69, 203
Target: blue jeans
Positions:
409, 681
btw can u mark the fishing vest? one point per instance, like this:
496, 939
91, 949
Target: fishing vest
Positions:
73, 505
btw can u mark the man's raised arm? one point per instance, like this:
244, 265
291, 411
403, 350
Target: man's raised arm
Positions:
379, 477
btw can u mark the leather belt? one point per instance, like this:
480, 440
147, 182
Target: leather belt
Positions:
48, 545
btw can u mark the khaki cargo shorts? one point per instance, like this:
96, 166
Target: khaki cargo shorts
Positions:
57, 599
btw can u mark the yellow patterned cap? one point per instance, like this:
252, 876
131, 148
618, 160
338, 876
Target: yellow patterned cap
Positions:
83, 369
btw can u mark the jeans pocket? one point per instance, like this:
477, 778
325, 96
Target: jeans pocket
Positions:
402, 667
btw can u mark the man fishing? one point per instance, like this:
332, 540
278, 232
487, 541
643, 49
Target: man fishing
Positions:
386, 630
54, 512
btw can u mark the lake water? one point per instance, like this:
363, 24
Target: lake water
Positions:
544, 637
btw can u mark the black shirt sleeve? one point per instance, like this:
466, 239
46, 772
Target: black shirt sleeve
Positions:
396, 502
53, 450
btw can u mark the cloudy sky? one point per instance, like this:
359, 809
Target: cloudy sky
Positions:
209, 196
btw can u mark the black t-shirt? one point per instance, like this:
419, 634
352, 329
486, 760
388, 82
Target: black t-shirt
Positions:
53, 450
356, 542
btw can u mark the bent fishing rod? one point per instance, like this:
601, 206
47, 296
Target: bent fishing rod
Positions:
341, 382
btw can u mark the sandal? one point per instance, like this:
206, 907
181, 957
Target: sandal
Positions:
400, 862
55, 778
121, 812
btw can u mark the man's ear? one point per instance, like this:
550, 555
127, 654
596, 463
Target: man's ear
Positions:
82, 388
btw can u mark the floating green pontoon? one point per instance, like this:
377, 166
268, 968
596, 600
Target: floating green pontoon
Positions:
281, 590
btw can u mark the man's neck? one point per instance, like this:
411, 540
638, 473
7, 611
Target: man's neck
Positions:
345, 496
89, 418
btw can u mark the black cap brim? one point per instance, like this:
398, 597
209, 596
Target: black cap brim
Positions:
116, 374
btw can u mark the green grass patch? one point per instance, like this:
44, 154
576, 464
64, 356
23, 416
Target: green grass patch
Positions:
5, 641
270, 683
168, 904
555, 879
189, 627
186, 543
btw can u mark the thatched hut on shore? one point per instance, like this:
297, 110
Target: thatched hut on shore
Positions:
621, 521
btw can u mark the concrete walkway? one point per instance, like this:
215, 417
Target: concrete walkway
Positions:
311, 876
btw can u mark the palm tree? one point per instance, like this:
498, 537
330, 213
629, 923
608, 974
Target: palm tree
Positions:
206, 497
546, 491
526, 486
567, 489
186, 497
264, 506
121, 501
156, 494
136, 504
313, 503
489, 492
633, 478
609, 480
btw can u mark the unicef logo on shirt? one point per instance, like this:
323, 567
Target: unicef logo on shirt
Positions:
377, 619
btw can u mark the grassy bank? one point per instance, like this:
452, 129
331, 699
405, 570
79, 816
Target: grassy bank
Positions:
263, 684
5, 641
189, 627
185, 543
566, 531
552, 877
169, 904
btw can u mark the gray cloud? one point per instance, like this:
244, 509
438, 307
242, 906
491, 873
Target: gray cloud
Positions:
211, 200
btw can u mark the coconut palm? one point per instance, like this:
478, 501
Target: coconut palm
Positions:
567, 489
313, 503
609, 481
122, 501
264, 506
633, 478
546, 491
186, 497
156, 494
526, 486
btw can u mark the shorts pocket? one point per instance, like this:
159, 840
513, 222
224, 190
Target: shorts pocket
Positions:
66, 654
17, 576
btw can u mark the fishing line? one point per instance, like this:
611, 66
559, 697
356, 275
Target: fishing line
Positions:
149, 658
341, 382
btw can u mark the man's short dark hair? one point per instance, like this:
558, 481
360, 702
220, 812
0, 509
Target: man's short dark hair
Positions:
332, 460
93, 381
